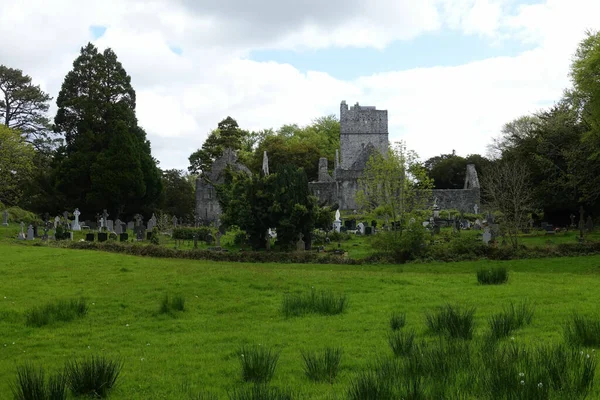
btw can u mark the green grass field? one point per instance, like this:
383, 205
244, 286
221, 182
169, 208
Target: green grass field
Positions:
232, 304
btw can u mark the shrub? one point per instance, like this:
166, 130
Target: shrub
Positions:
168, 305
323, 367
402, 343
31, 385
94, 376
582, 331
323, 302
62, 310
492, 276
258, 363
397, 321
260, 392
402, 246
452, 321
188, 233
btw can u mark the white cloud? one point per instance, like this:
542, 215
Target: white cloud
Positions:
182, 97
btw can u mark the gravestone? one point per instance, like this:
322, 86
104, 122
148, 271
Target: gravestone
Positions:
119, 226
152, 222
110, 225
56, 221
589, 225
139, 233
487, 235
89, 237
490, 218
21, 235
361, 228
476, 208
5, 218
30, 232
105, 219
75, 226
66, 218
130, 225
123, 237
218, 238
368, 230
102, 236
300, 246
174, 221
209, 239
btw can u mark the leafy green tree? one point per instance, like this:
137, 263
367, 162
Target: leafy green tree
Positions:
106, 161
23, 107
227, 135
448, 170
16, 165
395, 184
178, 194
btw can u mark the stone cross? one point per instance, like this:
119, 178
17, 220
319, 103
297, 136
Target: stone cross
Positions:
105, 218
5, 215
487, 235
22, 233
30, 232
75, 225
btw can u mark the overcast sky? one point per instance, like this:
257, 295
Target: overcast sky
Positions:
449, 72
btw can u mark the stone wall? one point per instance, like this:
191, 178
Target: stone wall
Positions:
463, 200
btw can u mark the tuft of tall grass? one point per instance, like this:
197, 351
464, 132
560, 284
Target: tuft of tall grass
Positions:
452, 321
582, 331
204, 396
92, 376
511, 318
61, 310
258, 363
260, 392
402, 342
492, 276
367, 385
322, 367
321, 302
31, 384
168, 304
397, 321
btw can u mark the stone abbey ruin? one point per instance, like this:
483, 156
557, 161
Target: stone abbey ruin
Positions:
363, 131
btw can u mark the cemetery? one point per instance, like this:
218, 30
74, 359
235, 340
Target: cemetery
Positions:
322, 261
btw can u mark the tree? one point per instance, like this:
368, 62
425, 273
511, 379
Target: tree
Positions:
507, 187
23, 107
394, 183
16, 165
227, 135
106, 162
178, 196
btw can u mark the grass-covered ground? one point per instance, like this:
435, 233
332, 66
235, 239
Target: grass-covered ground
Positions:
231, 305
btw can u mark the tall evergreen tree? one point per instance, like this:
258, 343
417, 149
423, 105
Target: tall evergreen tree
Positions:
106, 161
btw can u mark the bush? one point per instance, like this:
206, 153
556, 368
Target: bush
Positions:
492, 276
403, 246
95, 376
402, 343
18, 215
397, 321
188, 233
582, 331
168, 305
31, 385
322, 367
258, 363
323, 302
452, 321
62, 310
260, 392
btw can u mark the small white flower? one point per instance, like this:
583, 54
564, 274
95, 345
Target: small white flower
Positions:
147, 344
540, 385
13, 342
521, 374
581, 352
93, 304
587, 355
512, 338
89, 347
126, 324
522, 382
142, 359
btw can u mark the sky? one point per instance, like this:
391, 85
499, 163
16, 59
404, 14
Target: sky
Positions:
450, 73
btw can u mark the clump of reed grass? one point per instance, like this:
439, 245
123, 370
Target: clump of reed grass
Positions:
93, 376
452, 321
397, 321
316, 302
492, 276
583, 331
31, 384
402, 342
170, 304
58, 311
258, 363
322, 367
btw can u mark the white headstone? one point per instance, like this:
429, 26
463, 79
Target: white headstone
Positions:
5, 215
361, 228
56, 221
30, 232
337, 215
476, 208
75, 225
22, 233
487, 235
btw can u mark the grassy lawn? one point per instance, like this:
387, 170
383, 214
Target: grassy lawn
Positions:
232, 304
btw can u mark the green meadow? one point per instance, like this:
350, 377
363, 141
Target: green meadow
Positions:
230, 305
